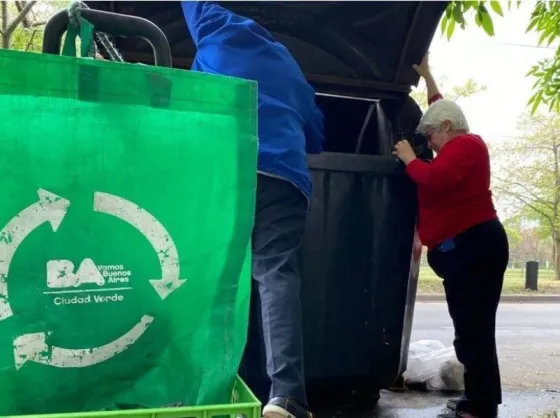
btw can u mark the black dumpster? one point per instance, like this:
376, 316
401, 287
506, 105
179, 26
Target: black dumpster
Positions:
359, 266
360, 258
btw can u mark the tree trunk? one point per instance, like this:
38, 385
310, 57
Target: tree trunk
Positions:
5, 36
8, 27
556, 257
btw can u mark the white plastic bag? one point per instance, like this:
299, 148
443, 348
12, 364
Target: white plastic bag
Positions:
430, 362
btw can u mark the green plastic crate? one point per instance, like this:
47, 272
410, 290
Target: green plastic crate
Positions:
244, 405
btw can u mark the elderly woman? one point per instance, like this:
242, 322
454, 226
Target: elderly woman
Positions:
467, 244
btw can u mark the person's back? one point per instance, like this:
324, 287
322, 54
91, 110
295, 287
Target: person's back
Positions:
289, 125
451, 204
289, 122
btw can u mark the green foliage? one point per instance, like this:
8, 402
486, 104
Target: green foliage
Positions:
544, 21
24, 39
531, 171
514, 237
529, 180
457, 12
25, 23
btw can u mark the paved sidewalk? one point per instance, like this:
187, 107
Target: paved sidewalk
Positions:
434, 297
517, 404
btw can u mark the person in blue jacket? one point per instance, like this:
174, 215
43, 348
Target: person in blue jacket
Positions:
290, 125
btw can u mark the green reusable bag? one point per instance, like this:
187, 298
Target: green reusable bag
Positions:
128, 197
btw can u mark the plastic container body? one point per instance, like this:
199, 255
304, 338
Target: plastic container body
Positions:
359, 272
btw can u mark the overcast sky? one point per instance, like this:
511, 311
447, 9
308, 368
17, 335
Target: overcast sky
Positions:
500, 63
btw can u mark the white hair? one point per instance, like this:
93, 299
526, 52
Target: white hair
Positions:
439, 112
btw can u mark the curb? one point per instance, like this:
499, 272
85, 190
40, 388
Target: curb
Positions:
436, 297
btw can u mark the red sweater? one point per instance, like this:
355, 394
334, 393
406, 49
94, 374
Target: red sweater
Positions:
453, 190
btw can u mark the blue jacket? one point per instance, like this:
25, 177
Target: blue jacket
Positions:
289, 122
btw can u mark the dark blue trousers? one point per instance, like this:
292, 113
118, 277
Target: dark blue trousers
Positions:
273, 359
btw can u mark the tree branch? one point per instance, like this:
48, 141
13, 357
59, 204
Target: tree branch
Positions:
19, 18
30, 42
5, 38
525, 148
20, 5
530, 205
525, 188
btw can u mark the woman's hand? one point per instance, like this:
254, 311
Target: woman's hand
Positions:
423, 69
404, 152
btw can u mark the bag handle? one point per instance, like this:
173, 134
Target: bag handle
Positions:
84, 32
112, 24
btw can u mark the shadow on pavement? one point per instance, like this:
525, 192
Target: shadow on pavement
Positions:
517, 404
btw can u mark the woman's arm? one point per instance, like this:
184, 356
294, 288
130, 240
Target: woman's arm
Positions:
433, 92
424, 71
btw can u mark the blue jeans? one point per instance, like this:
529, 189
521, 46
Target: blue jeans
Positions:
273, 359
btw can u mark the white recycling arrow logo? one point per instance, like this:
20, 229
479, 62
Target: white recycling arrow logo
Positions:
52, 208
153, 230
33, 347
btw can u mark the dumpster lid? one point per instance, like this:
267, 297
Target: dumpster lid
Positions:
353, 49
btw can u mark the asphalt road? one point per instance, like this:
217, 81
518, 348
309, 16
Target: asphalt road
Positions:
528, 340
